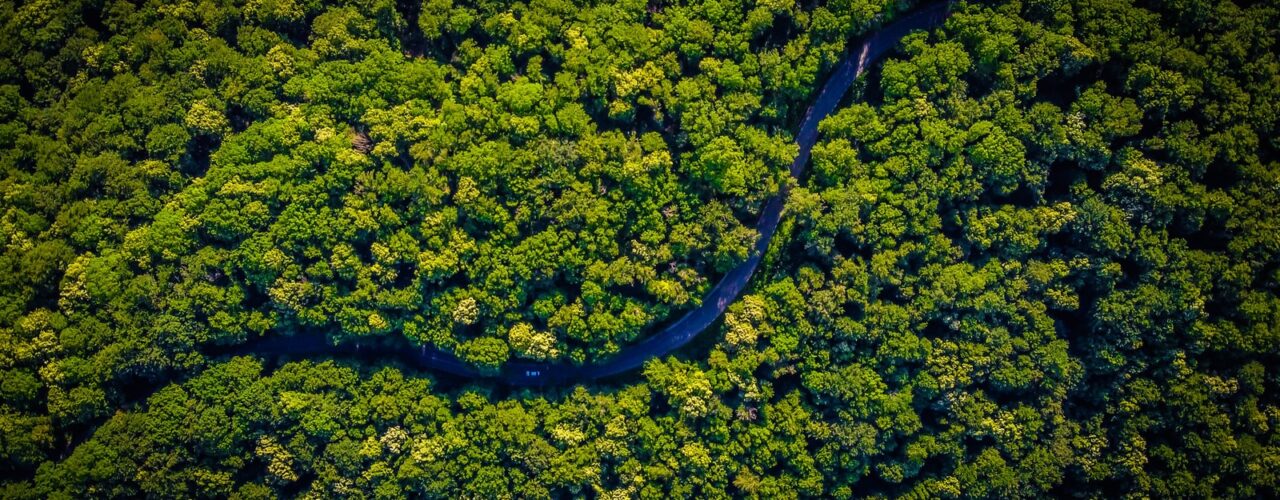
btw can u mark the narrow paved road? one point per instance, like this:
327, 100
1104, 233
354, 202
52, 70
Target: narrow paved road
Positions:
675, 335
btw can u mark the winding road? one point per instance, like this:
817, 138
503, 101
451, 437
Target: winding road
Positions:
681, 332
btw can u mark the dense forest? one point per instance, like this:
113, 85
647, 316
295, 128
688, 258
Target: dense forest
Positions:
1036, 251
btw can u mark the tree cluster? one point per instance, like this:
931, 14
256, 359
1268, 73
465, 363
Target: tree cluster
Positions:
1037, 254
545, 180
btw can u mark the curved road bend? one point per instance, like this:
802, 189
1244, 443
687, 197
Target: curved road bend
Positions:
675, 335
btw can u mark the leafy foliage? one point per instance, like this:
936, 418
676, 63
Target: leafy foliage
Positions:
1036, 256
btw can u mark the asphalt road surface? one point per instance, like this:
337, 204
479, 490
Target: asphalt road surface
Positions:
694, 322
